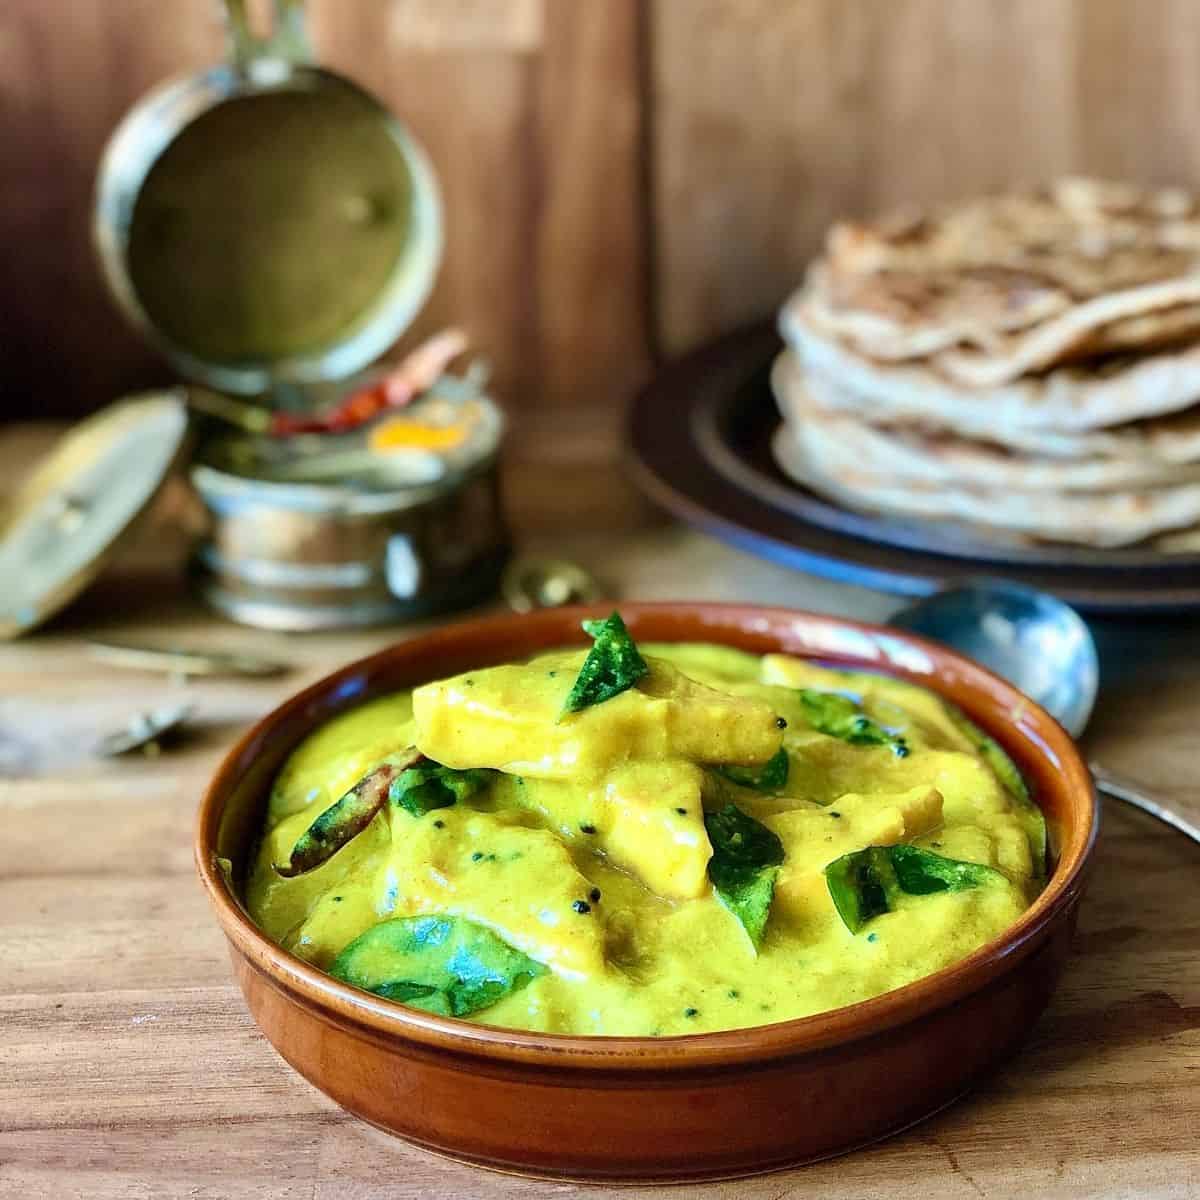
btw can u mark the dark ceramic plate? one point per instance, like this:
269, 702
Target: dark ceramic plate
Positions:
700, 433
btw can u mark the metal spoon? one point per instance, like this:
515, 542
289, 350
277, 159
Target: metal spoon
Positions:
143, 731
184, 661
1043, 646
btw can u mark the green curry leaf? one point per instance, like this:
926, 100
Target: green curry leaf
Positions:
348, 817
771, 777
842, 717
920, 872
744, 866
613, 665
429, 785
865, 883
742, 841
747, 892
442, 964
858, 884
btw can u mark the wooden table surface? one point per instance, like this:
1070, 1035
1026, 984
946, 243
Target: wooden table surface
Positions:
129, 1067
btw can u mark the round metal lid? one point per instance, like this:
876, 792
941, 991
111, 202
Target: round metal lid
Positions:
267, 223
64, 523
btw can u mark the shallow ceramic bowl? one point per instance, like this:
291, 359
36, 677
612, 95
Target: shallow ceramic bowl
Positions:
696, 1107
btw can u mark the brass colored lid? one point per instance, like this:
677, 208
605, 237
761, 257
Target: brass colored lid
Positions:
267, 223
63, 524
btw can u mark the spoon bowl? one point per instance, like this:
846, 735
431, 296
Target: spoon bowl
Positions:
1043, 646
1029, 637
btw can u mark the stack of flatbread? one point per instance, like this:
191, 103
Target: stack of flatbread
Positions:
1026, 363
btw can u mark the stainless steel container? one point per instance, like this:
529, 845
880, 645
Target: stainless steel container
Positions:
305, 556
272, 229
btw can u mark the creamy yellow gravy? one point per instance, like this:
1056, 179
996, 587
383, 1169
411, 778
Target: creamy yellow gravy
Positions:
613, 798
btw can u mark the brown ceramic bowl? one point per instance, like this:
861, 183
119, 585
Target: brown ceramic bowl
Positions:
696, 1107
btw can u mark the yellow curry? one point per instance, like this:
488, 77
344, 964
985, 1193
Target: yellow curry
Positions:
648, 841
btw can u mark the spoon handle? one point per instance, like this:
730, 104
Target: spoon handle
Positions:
1120, 788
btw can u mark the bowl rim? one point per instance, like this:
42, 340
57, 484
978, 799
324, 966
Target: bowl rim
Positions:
894, 649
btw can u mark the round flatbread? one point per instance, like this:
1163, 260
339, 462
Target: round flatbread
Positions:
994, 288
1068, 400
813, 456
910, 455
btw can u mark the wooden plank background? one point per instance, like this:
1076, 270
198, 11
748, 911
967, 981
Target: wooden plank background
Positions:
623, 177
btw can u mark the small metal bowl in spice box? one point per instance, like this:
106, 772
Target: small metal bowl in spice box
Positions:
326, 530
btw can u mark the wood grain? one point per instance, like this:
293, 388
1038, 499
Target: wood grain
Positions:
128, 1064
618, 175
769, 120
63, 86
